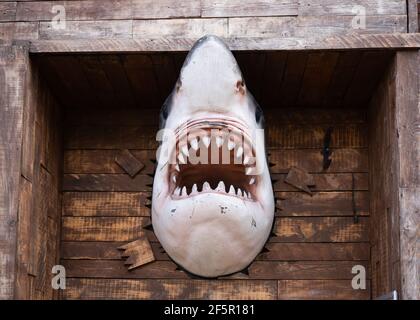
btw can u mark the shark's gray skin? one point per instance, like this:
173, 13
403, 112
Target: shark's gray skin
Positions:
212, 219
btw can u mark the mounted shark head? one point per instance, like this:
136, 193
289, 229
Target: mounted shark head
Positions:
213, 204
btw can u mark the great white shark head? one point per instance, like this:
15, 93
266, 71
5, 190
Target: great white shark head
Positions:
213, 204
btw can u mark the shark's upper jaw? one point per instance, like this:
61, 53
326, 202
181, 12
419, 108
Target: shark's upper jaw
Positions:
227, 168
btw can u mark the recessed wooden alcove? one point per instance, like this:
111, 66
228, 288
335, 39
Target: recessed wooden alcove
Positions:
78, 205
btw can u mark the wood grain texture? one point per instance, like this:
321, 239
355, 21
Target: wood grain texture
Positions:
326, 182
110, 10
351, 41
13, 68
103, 161
321, 290
169, 289
102, 228
343, 160
262, 270
106, 182
322, 204
106, 204
321, 229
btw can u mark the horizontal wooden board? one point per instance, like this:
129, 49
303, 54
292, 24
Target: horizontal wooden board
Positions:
321, 229
18, 31
334, 7
283, 137
102, 204
354, 41
316, 251
103, 161
116, 137
234, 8
317, 27
180, 28
310, 136
109, 10
87, 30
102, 228
321, 290
106, 182
326, 182
343, 160
169, 289
100, 250
277, 251
168, 270
8, 11
319, 116
140, 116
322, 203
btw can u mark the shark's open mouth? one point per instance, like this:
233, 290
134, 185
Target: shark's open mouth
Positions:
213, 160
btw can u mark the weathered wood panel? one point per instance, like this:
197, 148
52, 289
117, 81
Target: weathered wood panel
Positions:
321, 290
106, 182
102, 228
233, 8
322, 203
106, 204
103, 161
169, 289
262, 270
407, 109
343, 160
339, 42
321, 229
13, 68
109, 10
179, 28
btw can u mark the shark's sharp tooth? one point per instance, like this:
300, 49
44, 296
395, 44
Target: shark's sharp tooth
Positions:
206, 186
177, 167
239, 152
231, 190
174, 178
221, 187
246, 160
176, 191
231, 145
206, 141
194, 189
252, 180
184, 191
185, 150
194, 144
239, 192
248, 171
181, 158
249, 195
219, 141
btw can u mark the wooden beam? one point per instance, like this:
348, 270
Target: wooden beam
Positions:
412, 16
407, 89
356, 41
13, 68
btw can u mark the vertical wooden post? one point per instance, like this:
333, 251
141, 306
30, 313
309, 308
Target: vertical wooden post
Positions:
13, 65
412, 16
407, 121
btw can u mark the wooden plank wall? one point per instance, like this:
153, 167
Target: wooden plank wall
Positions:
13, 68
38, 228
316, 243
174, 21
395, 180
